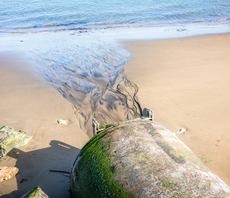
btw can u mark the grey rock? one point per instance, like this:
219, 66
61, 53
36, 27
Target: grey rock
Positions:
35, 193
11, 138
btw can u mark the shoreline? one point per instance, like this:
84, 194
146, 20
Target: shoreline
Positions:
186, 82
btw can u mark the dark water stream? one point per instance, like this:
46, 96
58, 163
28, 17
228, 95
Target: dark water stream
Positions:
92, 78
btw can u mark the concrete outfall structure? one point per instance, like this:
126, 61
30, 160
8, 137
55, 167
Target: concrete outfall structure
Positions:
141, 158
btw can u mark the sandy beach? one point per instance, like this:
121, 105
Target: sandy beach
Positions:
30, 104
186, 82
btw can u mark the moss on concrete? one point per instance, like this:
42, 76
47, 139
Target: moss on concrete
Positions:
36, 192
169, 183
94, 171
141, 158
33, 192
105, 126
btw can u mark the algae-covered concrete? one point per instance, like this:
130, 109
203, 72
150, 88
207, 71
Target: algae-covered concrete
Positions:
141, 158
36, 192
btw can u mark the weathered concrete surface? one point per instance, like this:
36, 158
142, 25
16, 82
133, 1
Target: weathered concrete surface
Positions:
141, 158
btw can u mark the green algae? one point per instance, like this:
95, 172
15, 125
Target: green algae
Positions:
33, 192
105, 126
36, 192
94, 171
207, 161
169, 183
11, 138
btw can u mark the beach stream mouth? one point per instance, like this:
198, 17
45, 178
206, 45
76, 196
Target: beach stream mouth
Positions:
92, 78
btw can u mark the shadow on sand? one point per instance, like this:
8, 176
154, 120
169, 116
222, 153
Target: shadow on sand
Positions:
34, 169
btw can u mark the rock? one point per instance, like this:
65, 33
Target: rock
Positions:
141, 158
11, 138
35, 193
180, 131
62, 122
7, 173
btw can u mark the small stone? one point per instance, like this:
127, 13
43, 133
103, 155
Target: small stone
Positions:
218, 139
62, 122
7, 173
182, 130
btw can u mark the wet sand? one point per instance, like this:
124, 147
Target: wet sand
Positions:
187, 84
30, 104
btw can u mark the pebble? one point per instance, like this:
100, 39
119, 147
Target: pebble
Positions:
180, 131
62, 122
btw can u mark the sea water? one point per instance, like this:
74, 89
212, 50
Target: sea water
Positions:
59, 15
73, 45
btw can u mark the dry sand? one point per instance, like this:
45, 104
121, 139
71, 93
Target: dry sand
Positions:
30, 104
187, 84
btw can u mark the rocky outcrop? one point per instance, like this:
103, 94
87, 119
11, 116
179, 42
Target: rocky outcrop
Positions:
11, 138
35, 193
141, 158
7, 173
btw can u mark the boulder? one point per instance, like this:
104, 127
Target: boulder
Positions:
7, 173
35, 193
11, 138
141, 158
